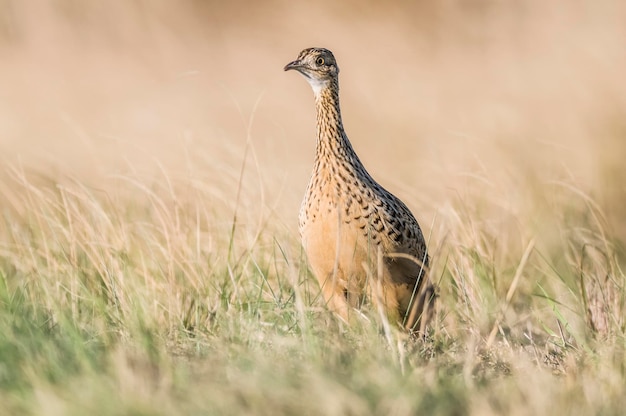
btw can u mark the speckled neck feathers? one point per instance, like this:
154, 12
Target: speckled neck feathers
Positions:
333, 146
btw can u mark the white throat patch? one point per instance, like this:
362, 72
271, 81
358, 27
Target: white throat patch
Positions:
317, 85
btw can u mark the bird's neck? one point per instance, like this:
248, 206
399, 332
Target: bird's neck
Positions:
332, 142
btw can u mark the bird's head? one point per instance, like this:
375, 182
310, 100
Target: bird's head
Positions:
317, 65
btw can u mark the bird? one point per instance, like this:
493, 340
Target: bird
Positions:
361, 242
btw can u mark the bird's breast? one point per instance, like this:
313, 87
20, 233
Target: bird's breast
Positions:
342, 210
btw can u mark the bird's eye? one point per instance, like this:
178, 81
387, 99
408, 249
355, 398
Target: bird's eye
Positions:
319, 61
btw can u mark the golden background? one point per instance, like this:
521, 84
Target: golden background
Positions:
487, 104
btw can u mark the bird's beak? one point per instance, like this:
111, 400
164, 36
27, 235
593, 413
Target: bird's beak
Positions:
293, 65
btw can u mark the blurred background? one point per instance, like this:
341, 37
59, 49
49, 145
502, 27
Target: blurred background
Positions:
486, 104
